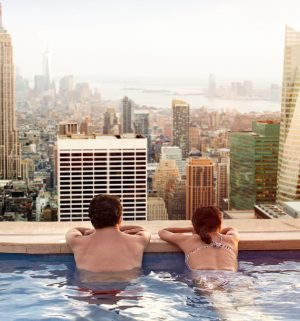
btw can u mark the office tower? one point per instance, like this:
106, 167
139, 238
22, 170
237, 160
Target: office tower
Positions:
86, 126
39, 83
141, 127
181, 119
177, 201
222, 189
141, 122
156, 208
288, 185
83, 91
10, 159
66, 85
165, 177
126, 115
194, 136
91, 165
47, 69
174, 152
199, 184
68, 128
110, 125
253, 165
212, 88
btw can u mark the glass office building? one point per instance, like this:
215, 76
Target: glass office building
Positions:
253, 165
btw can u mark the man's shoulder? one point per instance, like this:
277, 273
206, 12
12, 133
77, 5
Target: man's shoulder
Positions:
142, 237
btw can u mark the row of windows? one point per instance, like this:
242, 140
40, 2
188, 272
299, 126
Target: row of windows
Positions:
74, 206
79, 217
82, 211
95, 154
90, 193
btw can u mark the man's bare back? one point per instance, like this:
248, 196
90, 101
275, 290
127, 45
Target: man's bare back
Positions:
108, 249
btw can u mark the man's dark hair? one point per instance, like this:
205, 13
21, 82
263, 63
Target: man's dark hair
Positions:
105, 210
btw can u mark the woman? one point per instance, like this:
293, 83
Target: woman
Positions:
209, 247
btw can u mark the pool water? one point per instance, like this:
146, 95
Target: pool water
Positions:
48, 287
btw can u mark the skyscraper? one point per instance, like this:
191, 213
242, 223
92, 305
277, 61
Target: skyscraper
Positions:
253, 165
181, 119
141, 127
177, 201
91, 165
47, 69
288, 184
174, 152
199, 184
222, 189
165, 177
10, 160
110, 122
126, 115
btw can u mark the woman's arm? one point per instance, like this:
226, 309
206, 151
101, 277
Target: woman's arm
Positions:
189, 229
232, 232
175, 234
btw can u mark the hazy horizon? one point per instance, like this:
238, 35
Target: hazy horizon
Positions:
157, 39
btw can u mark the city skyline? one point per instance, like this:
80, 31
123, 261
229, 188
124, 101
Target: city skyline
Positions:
110, 39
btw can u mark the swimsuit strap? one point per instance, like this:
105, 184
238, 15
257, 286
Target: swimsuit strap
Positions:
214, 244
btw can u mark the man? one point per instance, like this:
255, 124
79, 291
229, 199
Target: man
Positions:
109, 247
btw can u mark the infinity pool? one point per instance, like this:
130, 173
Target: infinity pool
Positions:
48, 287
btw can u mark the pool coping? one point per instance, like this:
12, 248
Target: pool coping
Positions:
48, 237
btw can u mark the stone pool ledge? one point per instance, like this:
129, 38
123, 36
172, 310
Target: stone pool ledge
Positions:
48, 237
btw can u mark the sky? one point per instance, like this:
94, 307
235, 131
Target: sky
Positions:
186, 39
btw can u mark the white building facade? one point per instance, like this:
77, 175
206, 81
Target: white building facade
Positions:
92, 165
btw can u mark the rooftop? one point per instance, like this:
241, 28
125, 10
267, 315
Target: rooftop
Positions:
48, 237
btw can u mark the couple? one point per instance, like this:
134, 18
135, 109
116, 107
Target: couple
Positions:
112, 247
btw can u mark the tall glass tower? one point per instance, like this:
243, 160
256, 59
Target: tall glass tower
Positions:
181, 121
126, 115
288, 184
10, 167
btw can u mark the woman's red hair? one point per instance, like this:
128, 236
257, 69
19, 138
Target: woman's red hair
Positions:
206, 220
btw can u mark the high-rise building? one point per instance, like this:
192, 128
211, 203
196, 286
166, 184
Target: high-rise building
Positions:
165, 177
181, 119
222, 189
199, 184
126, 115
156, 208
288, 185
174, 152
177, 201
141, 127
66, 85
47, 69
194, 132
68, 128
91, 165
253, 165
141, 122
10, 159
110, 122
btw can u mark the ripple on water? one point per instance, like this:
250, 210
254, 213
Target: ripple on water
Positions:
52, 291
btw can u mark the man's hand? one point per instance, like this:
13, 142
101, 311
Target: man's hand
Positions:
131, 229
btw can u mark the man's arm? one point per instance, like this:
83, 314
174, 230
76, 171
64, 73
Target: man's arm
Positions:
144, 236
77, 232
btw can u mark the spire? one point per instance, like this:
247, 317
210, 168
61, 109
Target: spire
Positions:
1, 24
